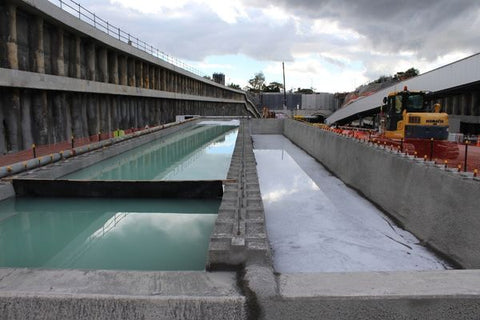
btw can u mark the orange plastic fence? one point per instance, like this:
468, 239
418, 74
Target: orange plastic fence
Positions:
43, 150
468, 151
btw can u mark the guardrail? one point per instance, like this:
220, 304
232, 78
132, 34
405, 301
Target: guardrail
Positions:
77, 10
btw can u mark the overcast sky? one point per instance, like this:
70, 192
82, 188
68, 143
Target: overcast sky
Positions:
330, 45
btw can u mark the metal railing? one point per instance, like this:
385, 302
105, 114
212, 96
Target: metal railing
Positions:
77, 10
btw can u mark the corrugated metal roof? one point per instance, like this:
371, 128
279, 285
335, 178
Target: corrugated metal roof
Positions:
452, 75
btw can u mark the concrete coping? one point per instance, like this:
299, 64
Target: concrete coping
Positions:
452, 294
381, 284
20, 281
108, 294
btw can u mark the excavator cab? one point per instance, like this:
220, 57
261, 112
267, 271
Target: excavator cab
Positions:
408, 116
398, 102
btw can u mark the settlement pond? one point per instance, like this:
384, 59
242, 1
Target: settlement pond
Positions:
315, 223
124, 234
202, 152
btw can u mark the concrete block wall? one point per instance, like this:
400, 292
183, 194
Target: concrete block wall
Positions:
59, 76
440, 207
239, 236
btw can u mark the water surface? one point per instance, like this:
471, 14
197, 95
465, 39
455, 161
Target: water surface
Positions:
203, 152
122, 234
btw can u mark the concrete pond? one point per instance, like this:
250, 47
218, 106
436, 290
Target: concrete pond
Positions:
242, 279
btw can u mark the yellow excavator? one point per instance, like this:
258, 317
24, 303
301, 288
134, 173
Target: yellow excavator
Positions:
407, 117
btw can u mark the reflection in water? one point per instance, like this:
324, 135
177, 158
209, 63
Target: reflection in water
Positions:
316, 224
105, 234
206, 149
210, 162
288, 180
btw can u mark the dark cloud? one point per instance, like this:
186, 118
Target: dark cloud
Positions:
380, 36
431, 28
206, 34
203, 33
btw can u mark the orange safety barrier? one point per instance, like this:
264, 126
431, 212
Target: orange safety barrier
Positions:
43, 150
455, 155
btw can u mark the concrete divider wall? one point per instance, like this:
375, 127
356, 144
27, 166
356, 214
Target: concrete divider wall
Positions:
186, 189
440, 207
239, 236
266, 126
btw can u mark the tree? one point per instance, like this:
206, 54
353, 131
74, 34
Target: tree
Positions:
404, 75
234, 86
273, 87
257, 82
412, 72
382, 79
305, 91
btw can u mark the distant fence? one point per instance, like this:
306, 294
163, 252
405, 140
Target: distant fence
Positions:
98, 23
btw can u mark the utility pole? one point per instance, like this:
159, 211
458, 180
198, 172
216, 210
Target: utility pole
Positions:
284, 89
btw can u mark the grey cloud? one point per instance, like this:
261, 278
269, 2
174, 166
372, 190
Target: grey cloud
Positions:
210, 35
203, 33
430, 27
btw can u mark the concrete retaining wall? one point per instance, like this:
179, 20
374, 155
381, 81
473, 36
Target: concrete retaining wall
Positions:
266, 126
440, 207
59, 77
428, 200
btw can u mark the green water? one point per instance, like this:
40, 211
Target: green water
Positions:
203, 152
121, 234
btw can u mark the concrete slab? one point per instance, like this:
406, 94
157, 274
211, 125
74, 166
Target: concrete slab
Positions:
101, 294
381, 284
450, 294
